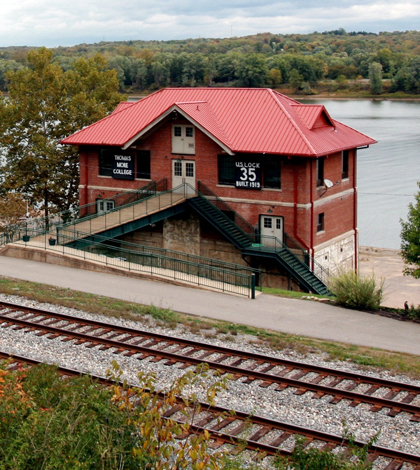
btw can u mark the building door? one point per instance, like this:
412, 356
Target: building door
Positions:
271, 228
183, 140
183, 171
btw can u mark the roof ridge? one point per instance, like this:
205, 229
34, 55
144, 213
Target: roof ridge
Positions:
190, 102
293, 122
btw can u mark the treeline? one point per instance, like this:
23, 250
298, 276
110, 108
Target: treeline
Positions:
301, 62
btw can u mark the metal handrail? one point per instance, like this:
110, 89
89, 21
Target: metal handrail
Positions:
115, 216
274, 241
273, 244
41, 225
215, 277
100, 240
243, 224
188, 191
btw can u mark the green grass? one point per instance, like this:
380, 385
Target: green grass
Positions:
363, 356
292, 294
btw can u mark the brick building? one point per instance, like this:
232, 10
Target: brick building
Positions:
286, 171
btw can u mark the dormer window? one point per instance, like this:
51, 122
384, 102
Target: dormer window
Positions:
183, 139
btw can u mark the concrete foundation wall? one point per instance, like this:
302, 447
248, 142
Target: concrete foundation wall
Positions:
338, 255
182, 234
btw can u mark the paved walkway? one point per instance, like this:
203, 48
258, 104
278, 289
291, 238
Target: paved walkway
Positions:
300, 317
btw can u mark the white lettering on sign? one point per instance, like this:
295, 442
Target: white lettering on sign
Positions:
117, 171
125, 158
248, 175
248, 184
247, 164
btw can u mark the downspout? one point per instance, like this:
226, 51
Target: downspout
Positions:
312, 212
86, 179
295, 203
356, 244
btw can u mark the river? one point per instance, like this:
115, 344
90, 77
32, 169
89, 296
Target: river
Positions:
388, 171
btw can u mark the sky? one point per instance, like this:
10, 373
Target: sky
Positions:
53, 23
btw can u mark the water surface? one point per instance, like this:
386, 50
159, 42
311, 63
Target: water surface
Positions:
387, 171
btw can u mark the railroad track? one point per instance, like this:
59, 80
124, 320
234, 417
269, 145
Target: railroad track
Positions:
395, 397
262, 435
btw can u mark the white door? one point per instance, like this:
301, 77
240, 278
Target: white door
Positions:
183, 140
270, 227
183, 171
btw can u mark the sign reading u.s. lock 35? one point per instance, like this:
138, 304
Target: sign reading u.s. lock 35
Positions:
123, 167
248, 175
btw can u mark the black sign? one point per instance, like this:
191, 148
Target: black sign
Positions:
248, 175
123, 167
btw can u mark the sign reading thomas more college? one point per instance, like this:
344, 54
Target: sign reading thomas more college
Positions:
248, 175
123, 167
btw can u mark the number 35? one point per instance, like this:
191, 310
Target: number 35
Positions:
248, 174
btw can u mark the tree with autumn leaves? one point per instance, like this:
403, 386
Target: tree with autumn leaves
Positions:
46, 104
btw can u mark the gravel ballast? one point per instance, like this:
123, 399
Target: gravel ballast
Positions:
302, 410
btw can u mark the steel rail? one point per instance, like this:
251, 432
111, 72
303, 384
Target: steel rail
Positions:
238, 372
222, 349
288, 430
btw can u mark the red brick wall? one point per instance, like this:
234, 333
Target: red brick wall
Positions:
298, 181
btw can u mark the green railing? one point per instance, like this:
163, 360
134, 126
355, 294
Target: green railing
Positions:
42, 225
91, 245
147, 196
227, 210
266, 243
170, 264
96, 223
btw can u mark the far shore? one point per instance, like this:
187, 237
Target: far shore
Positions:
320, 96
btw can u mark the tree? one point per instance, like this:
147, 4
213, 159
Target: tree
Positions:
410, 239
295, 80
12, 209
274, 77
46, 104
252, 70
375, 78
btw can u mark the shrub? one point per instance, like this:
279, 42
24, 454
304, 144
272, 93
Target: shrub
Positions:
360, 292
412, 312
51, 423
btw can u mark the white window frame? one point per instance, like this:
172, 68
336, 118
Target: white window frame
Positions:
104, 205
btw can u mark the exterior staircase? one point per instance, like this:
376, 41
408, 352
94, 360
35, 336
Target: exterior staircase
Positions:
251, 244
221, 222
144, 208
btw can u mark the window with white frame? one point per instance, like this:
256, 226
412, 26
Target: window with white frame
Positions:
104, 205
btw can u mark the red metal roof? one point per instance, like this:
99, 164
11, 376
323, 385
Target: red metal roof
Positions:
239, 119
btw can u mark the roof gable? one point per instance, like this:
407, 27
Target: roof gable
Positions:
198, 113
239, 119
313, 115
